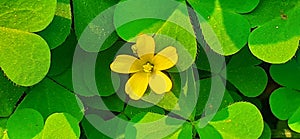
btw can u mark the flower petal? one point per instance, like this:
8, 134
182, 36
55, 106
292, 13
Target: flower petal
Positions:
165, 59
126, 64
137, 85
144, 46
160, 82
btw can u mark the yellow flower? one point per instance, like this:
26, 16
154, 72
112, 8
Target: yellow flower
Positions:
146, 69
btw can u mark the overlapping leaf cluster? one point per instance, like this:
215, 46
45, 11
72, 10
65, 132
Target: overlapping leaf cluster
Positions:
258, 38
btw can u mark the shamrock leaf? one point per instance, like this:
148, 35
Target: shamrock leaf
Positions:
245, 74
167, 20
287, 75
276, 40
59, 29
224, 29
25, 56
239, 120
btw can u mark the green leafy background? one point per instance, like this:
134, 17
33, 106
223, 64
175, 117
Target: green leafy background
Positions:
249, 49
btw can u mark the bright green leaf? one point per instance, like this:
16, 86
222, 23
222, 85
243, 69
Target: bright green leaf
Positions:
57, 32
26, 15
277, 41
3, 122
266, 133
61, 125
9, 96
294, 121
25, 57
239, 120
55, 99
25, 124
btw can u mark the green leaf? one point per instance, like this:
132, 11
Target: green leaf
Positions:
289, 97
62, 56
91, 132
9, 96
131, 111
245, 74
167, 20
26, 15
55, 98
287, 74
223, 28
185, 132
294, 121
3, 122
61, 125
111, 103
152, 125
57, 32
277, 41
93, 24
25, 124
29, 54
239, 120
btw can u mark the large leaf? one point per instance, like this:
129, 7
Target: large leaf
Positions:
55, 99
277, 41
245, 74
57, 32
25, 57
29, 54
223, 28
25, 124
61, 125
166, 19
37, 14
9, 96
93, 24
239, 120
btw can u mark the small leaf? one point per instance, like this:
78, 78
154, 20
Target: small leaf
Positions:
266, 133
239, 120
25, 124
294, 121
3, 122
9, 96
55, 99
25, 57
61, 125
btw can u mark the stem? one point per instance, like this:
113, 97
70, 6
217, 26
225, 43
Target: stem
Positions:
284, 133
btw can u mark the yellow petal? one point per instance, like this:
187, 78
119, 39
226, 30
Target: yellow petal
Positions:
160, 82
144, 46
165, 59
126, 64
137, 85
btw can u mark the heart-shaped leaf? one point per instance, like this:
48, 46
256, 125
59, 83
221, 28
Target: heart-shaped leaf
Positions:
277, 41
239, 120
223, 28
61, 125
166, 19
25, 124
245, 74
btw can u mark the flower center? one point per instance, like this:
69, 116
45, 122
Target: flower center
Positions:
147, 67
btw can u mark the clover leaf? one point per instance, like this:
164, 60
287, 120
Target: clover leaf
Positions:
25, 56
224, 29
276, 39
